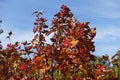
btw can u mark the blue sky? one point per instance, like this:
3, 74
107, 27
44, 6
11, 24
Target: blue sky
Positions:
102, 14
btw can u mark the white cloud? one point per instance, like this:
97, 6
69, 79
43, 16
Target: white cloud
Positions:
108, 34
23, 35
107, 40
101, 8
107, 9
106, 49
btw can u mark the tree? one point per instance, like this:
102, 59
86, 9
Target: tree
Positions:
116, 64
68, 57
67, 52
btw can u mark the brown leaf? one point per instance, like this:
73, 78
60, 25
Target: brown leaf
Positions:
15, 64
86, 23
36, 36
106, 57
10, 33
1, 66
17, 44
45, 31
23, 52
53, 39
51, 31
93, 30
34, 42
45, 26
24, 42
41, 71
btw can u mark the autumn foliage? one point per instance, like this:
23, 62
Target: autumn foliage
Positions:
68, 57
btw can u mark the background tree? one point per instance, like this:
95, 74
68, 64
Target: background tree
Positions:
116, 64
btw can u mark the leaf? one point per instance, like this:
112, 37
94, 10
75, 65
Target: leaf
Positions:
99, 77
49, 62
24, 42
15, 64
62, 24
106, 57
34, 42
61, 56
27, 48
23, 52
45, 31
17, 44
66, 42
51, 31
45, 26
41, 71
1, 66
10, 33
74, 42
36, 36
53, 39
93, 30
86, 23
38, 58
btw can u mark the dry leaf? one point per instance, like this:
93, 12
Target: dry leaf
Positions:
93, 30
23, 52
1, 67
41, 71
15, 64
10, 33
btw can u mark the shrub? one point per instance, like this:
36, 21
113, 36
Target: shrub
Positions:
68, 57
